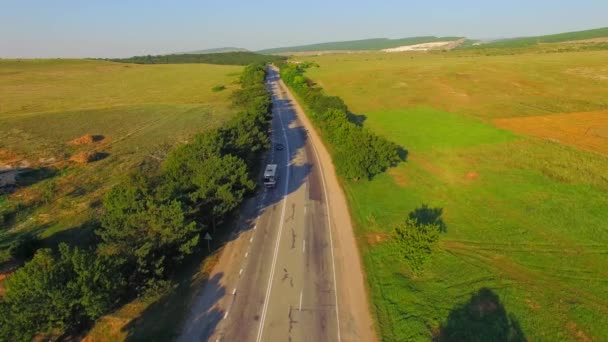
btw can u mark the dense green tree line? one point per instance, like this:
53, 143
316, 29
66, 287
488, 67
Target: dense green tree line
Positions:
223, 58
151, 221
357, 152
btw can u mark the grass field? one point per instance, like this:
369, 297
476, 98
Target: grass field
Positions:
525, 217
135, 113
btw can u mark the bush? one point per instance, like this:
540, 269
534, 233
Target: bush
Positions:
58, 292
217, 88
416, 242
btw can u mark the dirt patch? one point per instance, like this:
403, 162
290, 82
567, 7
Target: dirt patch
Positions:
399, 177
577, 333
426, 165
472, 175
532, 304
86, 157
376, 238
87, 139
588, 130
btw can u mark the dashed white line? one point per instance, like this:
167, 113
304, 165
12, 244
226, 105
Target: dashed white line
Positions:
246, 254
303, 246
225, 314
301, 300
251, 239
234, 291
276, 248
241, 271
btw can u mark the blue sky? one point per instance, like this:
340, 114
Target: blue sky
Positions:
113, 28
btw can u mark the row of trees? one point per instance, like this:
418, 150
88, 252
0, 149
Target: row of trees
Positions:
151, 221
223, 58
357, 152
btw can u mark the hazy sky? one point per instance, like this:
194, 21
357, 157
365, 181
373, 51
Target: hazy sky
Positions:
116, 28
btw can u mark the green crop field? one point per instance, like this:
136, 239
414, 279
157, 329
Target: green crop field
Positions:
525, 217
135, 112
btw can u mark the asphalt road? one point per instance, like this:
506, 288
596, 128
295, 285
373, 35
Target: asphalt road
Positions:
280, 282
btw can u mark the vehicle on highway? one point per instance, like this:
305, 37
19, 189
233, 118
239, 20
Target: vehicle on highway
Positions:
270, 175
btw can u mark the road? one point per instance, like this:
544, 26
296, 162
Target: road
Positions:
288, 274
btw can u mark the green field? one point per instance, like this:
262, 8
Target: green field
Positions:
525, 217
137, 111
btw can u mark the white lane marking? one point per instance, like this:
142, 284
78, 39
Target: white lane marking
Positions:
276, 247
301, 300
303, 246
241, 271
234, 291
246, 254
255, 227
251, 239
331, 243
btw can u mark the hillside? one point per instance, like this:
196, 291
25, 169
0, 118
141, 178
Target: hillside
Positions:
224, 58
363, 44
215, 50
553, 38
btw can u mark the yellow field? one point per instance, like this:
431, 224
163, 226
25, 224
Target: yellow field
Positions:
132, 112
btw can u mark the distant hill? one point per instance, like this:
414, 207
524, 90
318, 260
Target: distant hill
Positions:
224, 58
553, 38
364, 44
216, 50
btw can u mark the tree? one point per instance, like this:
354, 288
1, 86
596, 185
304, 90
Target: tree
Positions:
145, 232
220, 184
416, 242
58, 292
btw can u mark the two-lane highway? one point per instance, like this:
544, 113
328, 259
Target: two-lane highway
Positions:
279, 281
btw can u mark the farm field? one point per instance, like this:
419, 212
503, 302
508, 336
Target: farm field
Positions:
498, 143
56, 114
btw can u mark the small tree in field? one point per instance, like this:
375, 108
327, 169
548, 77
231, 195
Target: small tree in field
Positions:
416, 242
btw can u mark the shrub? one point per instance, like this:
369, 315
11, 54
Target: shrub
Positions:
217, 88
416, 242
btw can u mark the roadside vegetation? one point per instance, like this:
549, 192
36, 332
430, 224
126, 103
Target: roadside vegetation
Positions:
150, 223
521, 219
357, 152
223, 58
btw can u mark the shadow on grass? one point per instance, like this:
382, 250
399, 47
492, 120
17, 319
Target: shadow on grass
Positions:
482, 319
82, 235
163, 319
28, 177
427, 215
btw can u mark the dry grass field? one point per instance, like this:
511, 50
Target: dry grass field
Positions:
588, 130
74, 127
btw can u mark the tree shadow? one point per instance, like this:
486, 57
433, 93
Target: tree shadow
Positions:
427, 215
483, 318
161, 321
29, 176
82, 236
357, 119
403, 153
